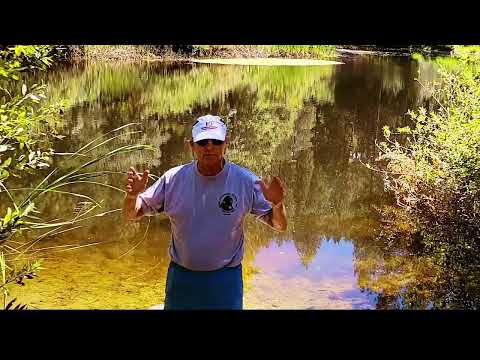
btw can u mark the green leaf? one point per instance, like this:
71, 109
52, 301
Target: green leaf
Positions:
7, 217
404, 130
4, 174
386, 131
37, 265
7, 163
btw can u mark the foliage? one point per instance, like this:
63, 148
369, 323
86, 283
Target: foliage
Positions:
26, 123
433, 168
25, 131
19, 58
470, 53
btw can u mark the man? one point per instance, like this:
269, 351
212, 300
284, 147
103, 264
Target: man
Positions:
207, 201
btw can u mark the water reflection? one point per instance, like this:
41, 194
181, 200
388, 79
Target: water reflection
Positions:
328, 282
310, 125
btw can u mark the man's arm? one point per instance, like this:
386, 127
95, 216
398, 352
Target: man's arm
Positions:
275, 193
277, 219
130, 211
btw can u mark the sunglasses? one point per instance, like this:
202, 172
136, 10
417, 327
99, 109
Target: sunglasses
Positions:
204, 142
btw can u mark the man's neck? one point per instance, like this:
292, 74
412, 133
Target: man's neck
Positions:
211, 171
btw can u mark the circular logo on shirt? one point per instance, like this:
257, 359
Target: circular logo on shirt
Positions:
228, 203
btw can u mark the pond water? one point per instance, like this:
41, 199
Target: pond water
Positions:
313, 126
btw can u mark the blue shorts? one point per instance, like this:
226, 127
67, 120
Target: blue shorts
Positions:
201, 290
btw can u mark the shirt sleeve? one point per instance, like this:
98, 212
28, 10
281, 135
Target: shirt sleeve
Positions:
260, 206
151, 201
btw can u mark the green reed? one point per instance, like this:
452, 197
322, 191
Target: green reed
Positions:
21, 219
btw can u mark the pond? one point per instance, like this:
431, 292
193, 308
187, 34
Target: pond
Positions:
313, 126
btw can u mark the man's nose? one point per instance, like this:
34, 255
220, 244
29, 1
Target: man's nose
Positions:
209, 144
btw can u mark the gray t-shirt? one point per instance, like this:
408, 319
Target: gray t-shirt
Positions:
206, 213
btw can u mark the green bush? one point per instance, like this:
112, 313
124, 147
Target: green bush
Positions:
26, 123
434, 168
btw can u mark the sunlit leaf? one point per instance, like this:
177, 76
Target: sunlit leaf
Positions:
6, 163
8, 216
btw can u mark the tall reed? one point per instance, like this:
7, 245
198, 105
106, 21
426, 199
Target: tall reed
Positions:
18, 261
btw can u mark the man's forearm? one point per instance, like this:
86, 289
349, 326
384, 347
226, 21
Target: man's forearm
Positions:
279, 217
130, 212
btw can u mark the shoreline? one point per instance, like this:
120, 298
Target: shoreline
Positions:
341, 53
181, 53
198, 53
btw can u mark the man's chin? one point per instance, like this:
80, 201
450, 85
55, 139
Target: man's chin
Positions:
211, 161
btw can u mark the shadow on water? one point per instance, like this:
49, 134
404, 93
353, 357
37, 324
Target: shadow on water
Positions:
310, 125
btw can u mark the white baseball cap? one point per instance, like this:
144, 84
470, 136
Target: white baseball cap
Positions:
209, 127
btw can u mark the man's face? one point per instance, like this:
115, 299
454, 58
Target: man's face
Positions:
209, 154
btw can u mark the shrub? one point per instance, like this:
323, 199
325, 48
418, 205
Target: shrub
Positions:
434, 168
26, 122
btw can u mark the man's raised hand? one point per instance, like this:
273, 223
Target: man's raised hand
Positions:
274, 192
136, 183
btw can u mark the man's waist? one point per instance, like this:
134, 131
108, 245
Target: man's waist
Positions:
222, 268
